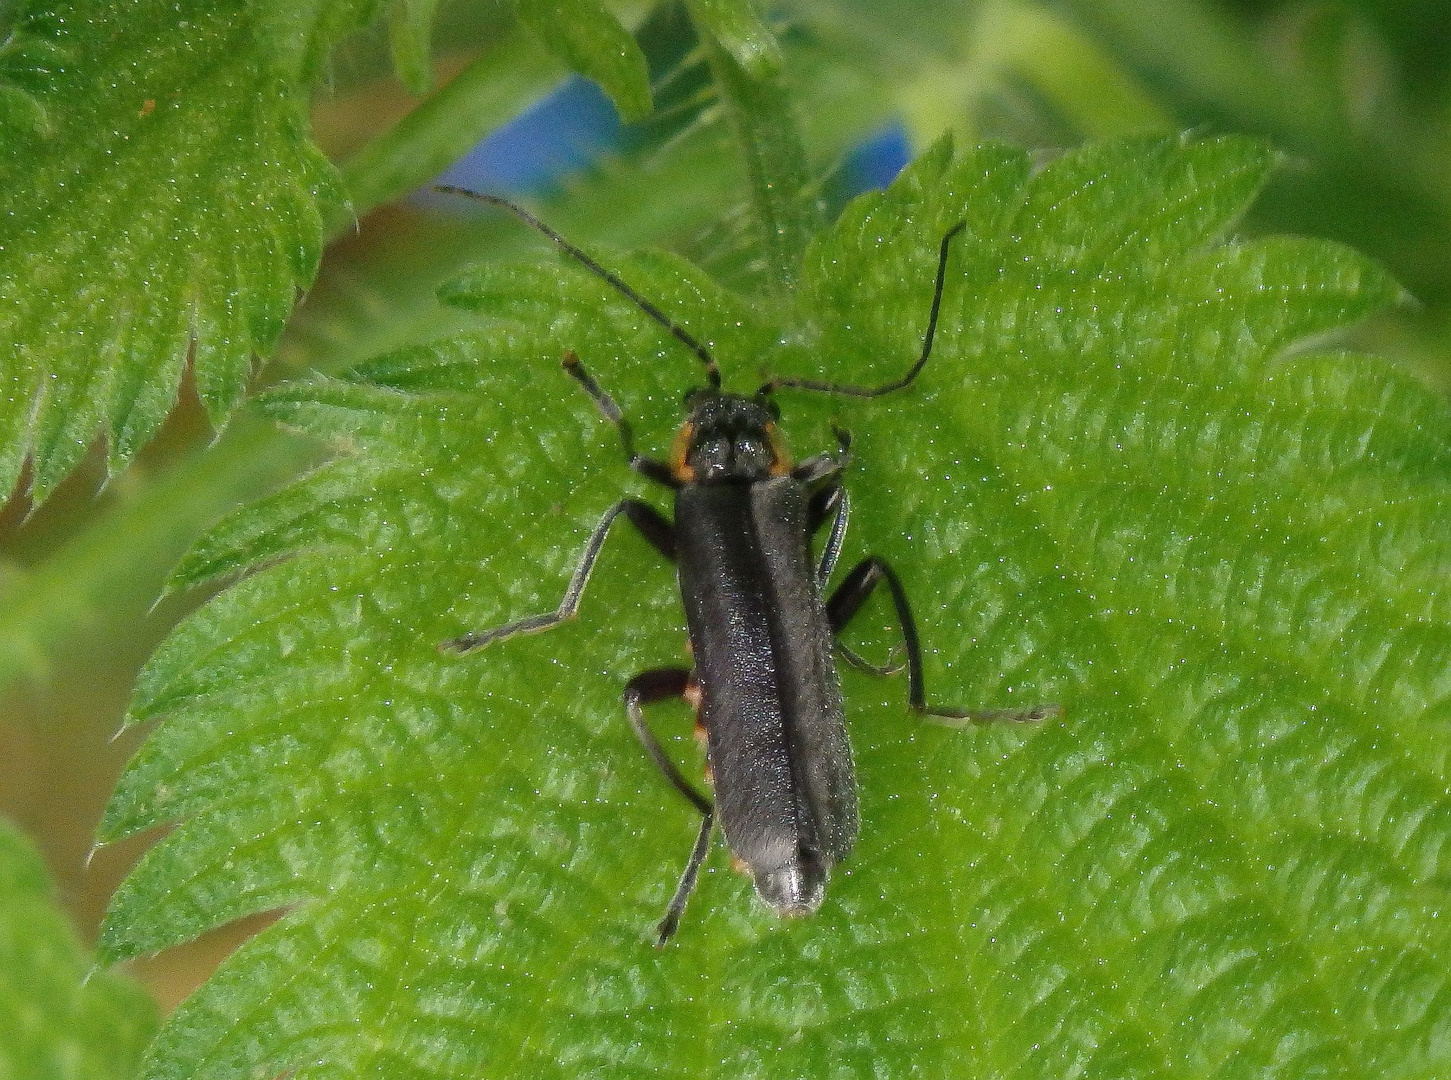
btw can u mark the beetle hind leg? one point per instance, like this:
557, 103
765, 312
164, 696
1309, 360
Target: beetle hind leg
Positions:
848, 600
667, 926
644, 689
892, 667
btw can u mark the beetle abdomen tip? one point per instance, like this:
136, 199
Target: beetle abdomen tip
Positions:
794, 889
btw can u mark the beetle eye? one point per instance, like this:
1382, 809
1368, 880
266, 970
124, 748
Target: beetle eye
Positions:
749, 449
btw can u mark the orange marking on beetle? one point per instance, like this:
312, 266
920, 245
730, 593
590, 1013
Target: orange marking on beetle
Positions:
780, 456
679, 450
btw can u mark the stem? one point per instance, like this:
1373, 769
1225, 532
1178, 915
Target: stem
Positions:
775, 159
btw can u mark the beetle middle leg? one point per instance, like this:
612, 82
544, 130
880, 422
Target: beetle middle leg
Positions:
647, 521
848, 599
647, 688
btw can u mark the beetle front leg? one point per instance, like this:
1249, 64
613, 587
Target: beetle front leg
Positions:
647, 521
836, 503
647, 467
848, 600
824, 470
645, 689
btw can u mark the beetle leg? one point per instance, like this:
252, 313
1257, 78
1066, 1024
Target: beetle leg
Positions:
823, 505
848, 600
829, 499
815, 467
825, 469
825, 501
651, 525
861, 663
650, 468
819, 470
832, 499
644, 689
967, 717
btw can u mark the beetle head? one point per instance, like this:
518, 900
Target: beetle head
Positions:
728, 437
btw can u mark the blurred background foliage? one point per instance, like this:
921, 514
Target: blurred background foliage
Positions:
1355, 93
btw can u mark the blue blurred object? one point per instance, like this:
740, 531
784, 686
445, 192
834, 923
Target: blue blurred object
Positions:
575, 123
876, 160
532, 153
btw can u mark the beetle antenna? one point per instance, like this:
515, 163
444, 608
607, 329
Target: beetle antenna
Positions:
712, 372
847, 389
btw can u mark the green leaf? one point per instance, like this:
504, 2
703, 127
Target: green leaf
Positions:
59, 1020
1132, 481
26, 54
167, 206
410, 27
738, 27
587, 37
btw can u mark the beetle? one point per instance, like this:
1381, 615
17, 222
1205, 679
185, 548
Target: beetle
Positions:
762, 631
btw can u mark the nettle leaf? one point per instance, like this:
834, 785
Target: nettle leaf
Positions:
587, 37
25, 59
1128, 483
738, 26
164, 205
58, 1019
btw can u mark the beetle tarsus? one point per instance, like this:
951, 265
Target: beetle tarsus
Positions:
958, 718
667, 926
893, 666
468, 643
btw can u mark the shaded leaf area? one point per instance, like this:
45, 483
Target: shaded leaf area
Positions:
167, 205
25, 57
1125, 484
587, 37
58, 1019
